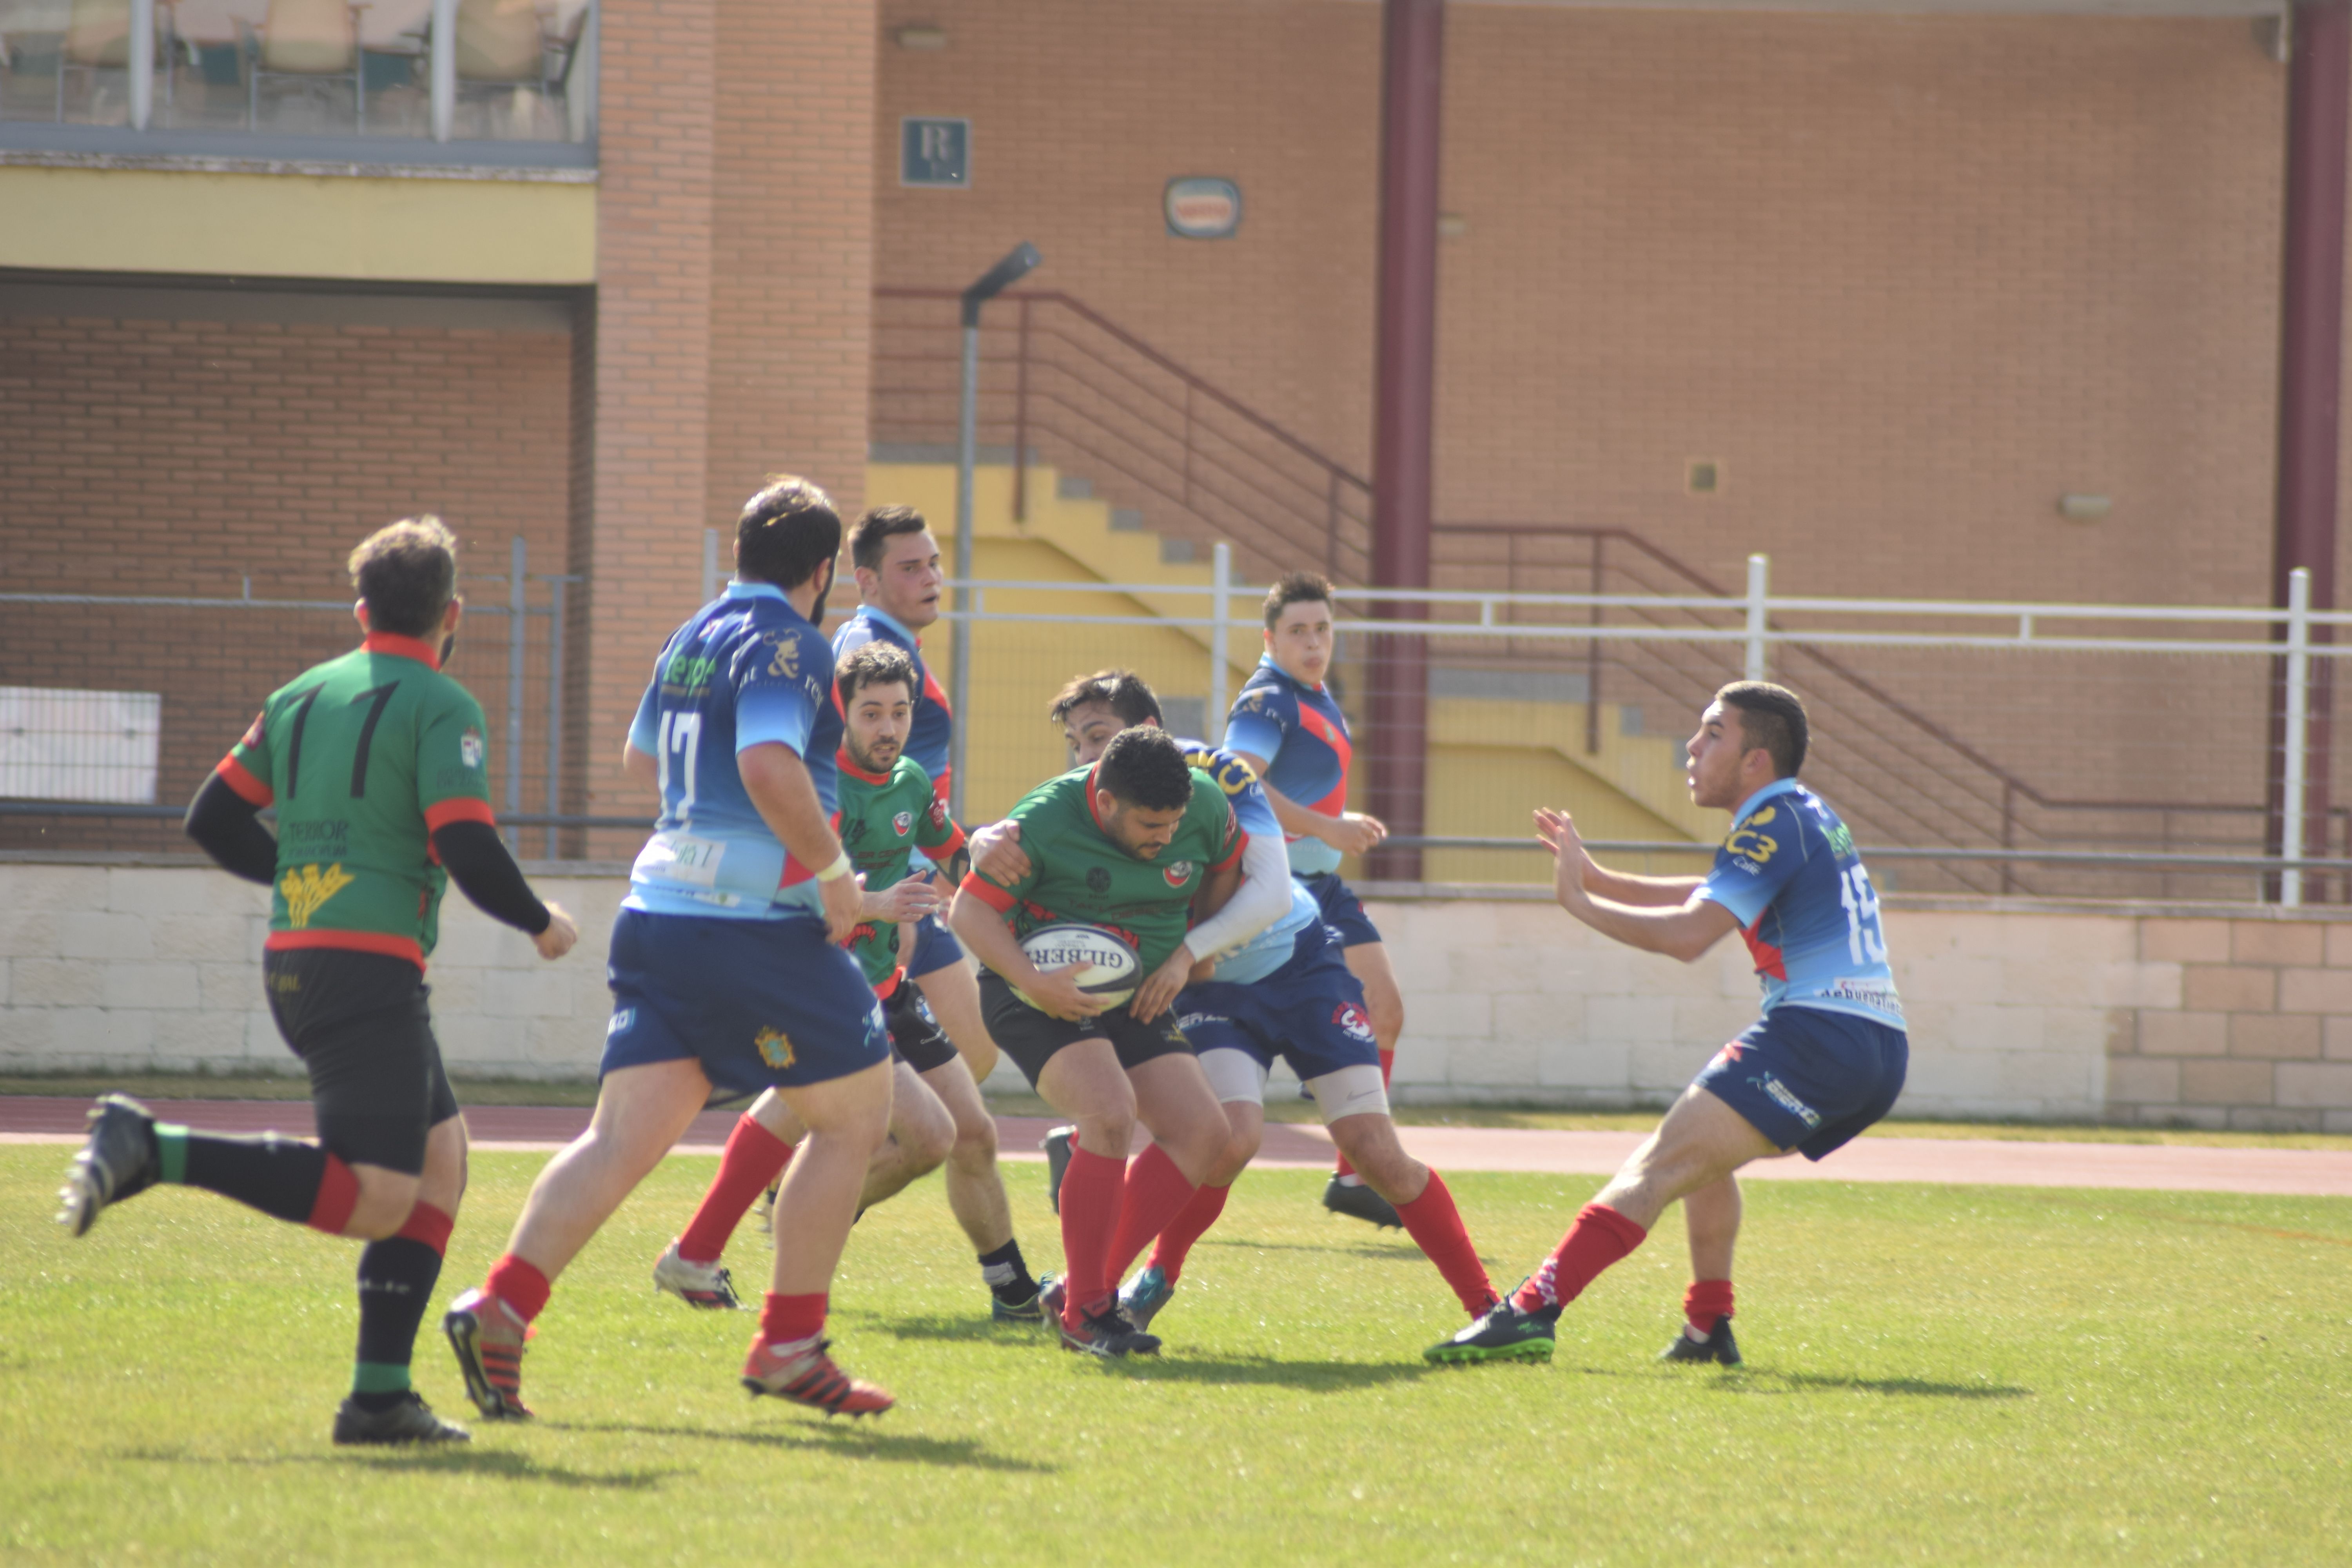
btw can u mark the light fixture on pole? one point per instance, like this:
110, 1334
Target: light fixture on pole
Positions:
1017, 264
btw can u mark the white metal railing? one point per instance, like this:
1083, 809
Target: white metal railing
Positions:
1750, 621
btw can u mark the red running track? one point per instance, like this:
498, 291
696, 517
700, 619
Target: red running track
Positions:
1982, 1162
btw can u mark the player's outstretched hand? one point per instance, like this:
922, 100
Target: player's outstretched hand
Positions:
1353, 833
1559, 834
997, 855
558, 937
843, 898
1151, 998
908, 899
1057, 991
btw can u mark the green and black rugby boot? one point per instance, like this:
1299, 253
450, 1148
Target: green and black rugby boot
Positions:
119, 1158
410, 1421
1505, 1333
1719, 1346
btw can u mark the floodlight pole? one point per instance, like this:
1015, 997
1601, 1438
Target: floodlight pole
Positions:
1017, 264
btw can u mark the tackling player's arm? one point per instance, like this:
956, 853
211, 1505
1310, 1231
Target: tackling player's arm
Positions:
1683, 930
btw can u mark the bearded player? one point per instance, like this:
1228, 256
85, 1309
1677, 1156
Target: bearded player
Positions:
888, 814
1284, 994
725, 966
1288, 727
1826, 1060
897, 563
1131, 843
377, 765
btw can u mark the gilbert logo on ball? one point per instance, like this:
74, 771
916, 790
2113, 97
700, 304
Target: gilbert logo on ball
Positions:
1112, 966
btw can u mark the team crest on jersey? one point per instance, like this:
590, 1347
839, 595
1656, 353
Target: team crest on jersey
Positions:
787, 662
258, 729
1351, 1020
904, 823
307, 888
775, 1047
470, 748
938, 812
1179, 874
1097, 880
1748, 843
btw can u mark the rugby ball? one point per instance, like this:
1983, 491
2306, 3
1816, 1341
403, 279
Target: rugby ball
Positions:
1113, 969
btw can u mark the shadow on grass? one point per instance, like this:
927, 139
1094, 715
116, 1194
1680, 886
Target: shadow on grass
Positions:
960, 1329
1744, 1379
1368, 1248
1315, 1376
499, 1464
855, 1442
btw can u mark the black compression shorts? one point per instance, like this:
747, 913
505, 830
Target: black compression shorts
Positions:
914, 1038
1032, 1037
360, 1023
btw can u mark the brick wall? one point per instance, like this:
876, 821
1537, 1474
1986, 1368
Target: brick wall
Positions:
1907, 278
734, 294
183, 456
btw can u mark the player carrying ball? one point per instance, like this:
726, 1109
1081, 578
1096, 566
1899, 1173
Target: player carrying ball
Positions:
726, 965
1825, 1061
1132, 843
1284, 992
377, 765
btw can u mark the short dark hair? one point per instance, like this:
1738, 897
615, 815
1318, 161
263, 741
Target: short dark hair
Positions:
878, 663
1144, 766
1123, 691
1771, 718
1296, 588
788, 529
406, 573
881, 525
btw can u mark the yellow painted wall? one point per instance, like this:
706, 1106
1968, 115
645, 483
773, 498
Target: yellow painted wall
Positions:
297, 226
1491, 761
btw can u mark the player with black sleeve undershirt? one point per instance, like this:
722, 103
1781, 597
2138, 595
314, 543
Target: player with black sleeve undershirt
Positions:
378, 767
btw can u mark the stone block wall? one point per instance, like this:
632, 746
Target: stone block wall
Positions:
2027, 1011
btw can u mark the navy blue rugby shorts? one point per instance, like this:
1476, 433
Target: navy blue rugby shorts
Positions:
1309, 1010
1810, 1079
935, 947
1343, 913
760, 1003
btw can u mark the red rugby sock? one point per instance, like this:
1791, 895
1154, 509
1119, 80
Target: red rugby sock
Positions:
1600, 1236
339, 1194
1191, 1223
1707, 1304
1092, 1189
783, 1319
754, 1157
1435, 1227
1157, 1192
519, 1285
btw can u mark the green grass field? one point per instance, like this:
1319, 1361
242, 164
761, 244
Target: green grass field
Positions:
1947, 1374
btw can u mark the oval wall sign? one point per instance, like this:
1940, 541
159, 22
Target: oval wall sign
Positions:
1201, 207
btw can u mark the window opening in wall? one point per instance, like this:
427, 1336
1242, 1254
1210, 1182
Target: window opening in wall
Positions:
78, 745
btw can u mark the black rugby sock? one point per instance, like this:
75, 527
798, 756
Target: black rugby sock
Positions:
397, 1278
280, 1176
1007, 1274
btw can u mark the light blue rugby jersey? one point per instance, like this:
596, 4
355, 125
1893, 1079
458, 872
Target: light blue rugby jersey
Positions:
1788, 873
1270, 949
748, 669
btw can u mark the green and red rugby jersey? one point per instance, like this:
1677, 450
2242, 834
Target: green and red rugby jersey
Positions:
1077, 872
363, 757
883, 820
